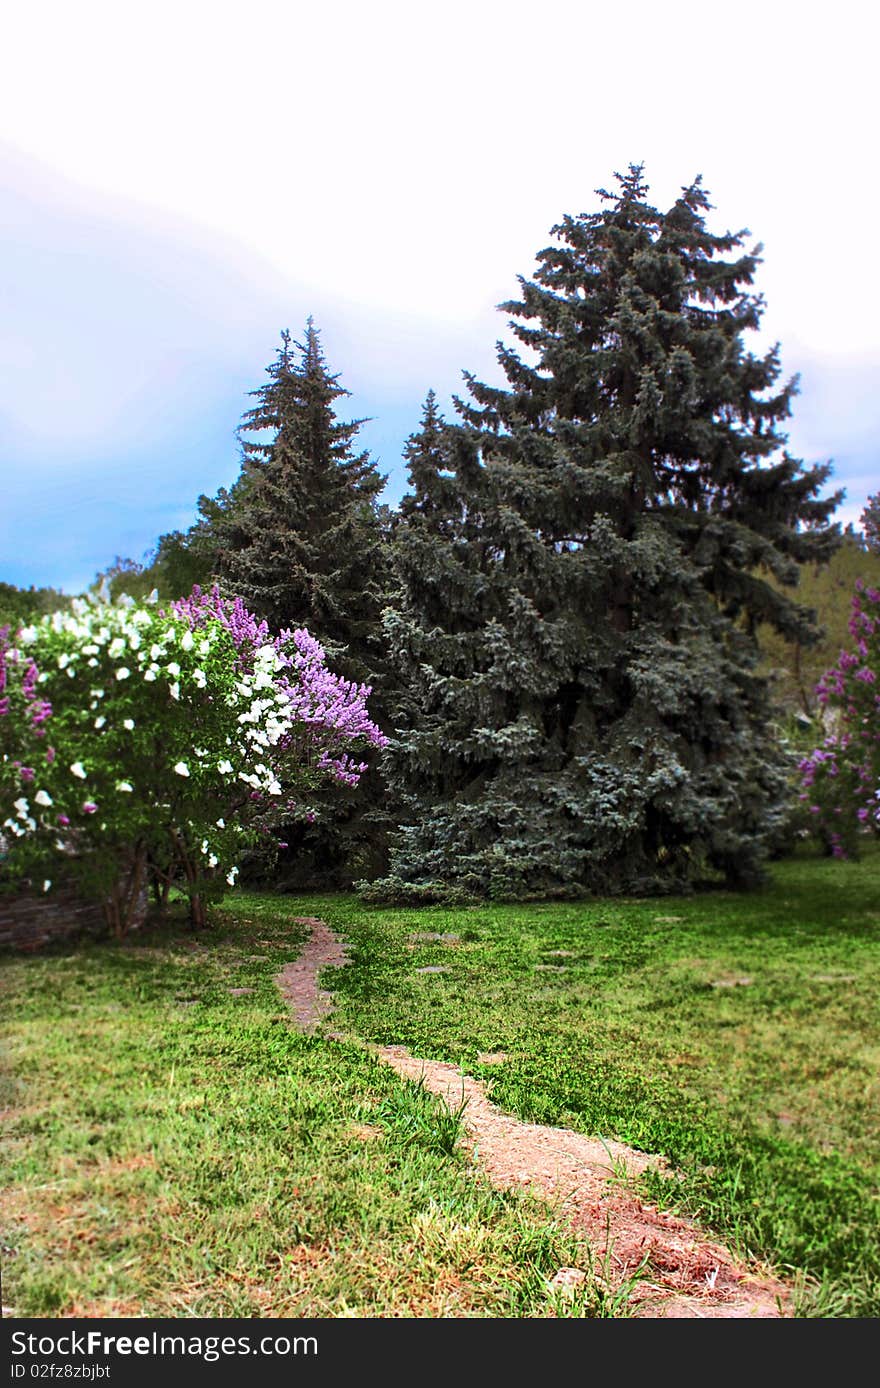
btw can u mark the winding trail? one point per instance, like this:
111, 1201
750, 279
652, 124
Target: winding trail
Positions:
682, 1273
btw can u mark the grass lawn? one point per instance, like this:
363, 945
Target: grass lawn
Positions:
173, 1148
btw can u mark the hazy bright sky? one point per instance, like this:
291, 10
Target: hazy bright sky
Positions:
180, 181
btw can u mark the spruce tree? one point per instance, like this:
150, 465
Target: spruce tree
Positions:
301, 538
583, 565
302, 542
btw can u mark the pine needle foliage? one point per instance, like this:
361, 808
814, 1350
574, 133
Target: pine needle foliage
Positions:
303, 542
302, 538
583, 563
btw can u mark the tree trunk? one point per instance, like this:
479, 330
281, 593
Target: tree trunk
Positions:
197, 914
120, 904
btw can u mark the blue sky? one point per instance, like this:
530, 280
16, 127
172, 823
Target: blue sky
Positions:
175, 190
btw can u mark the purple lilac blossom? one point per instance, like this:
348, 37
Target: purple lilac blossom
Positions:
332, 709
844, 774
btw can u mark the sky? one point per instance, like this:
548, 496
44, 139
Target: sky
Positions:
181, 181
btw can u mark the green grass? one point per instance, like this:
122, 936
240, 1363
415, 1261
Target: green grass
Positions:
763, 1094
176, 1150
171, 1149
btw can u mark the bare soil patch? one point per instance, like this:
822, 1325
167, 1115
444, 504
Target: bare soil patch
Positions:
683, 1273
298, 981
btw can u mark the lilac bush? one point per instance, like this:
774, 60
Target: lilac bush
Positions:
21, 708
841, 779
142, 743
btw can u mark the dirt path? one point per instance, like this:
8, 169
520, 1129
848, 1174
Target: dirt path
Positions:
684, 1272
299, 981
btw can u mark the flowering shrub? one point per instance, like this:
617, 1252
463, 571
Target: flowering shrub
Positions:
139, 742
841, 779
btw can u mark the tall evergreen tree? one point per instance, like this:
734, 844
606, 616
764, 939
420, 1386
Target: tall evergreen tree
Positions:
581, 571
301, 537
302, 542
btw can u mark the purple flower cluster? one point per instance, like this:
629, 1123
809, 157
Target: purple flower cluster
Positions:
23, 670
841, 779
331, 710
246, 631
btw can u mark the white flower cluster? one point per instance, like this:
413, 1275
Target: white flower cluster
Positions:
118, 651
265, 718
121, 632
24, 821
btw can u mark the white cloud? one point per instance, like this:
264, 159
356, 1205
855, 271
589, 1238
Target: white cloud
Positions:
210, 173
405, 154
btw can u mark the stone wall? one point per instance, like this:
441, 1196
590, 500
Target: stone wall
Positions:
30, 920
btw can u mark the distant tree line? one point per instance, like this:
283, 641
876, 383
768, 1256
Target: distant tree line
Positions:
21, 605
795, 668
577, 620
